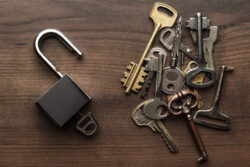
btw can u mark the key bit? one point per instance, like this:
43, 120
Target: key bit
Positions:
147, 83
152, 66
139, 80
192, 23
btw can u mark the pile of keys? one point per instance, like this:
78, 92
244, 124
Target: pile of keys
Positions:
179, 84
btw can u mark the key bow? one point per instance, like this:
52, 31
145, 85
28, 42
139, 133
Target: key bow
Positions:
182, 102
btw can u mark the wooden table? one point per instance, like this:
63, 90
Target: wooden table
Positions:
111, 34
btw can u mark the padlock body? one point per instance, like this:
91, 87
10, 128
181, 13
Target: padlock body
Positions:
63, 100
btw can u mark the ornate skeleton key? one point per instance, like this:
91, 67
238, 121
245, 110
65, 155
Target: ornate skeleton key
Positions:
185, 108
161, 20
152, 68
156, 126
212, 112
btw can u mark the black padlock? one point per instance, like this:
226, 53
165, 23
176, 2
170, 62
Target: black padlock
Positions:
65, 98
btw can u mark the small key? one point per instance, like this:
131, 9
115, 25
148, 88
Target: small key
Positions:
156, 126
160, 20
168, 43
186, 108
151, 68
212, 112
202, 64
153, 107
173, 79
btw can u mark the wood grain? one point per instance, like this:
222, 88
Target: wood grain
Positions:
111, 34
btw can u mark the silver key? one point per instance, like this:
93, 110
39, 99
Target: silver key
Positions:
152, 109
173, 79
156, 126
208, 44
152, 67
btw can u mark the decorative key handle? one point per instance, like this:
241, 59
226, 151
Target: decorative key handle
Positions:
177, 107
65, 98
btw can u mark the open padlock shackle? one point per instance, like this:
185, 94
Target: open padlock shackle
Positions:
57, 34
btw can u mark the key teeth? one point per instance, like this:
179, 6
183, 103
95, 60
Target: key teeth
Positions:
167, 143
123, 80
126, 74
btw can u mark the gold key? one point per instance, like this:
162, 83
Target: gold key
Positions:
136, 74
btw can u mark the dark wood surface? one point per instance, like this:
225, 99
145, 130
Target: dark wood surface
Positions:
111, 34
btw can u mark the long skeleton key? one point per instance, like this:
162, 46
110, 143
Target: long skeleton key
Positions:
212, 112
168, 42
160, 20
186, 108
153, 108
152, 68
156, 126
202, 64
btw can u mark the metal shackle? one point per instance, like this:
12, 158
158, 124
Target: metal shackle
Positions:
59, 35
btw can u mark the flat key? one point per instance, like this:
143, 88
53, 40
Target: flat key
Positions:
173, 79
160, 20
213, 113
152, 67
156, 126
186, 108
202, 64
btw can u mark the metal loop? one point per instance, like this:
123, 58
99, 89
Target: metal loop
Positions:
57, 34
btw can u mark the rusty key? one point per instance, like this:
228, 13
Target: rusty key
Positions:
186, 108
213, 113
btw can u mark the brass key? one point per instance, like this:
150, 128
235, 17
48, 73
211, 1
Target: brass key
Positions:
161, 19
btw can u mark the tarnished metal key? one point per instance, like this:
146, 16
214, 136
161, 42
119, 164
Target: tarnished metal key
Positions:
169, 41
185, 108
160, 20
151, 68
156, 126
212, 112
153, 107
197, 24
173, 79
